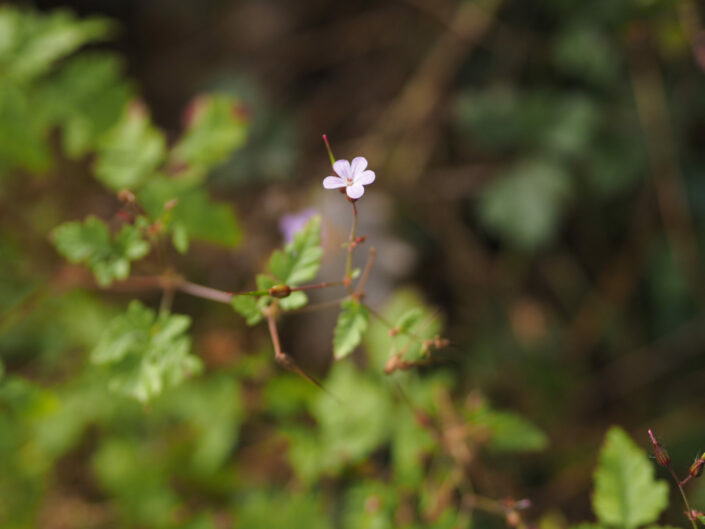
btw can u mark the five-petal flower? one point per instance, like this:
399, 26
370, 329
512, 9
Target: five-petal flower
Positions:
351, 175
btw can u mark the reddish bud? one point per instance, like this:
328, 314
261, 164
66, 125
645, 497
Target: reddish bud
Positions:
124, 216
662, 457
280, 291
127, 196
696, 469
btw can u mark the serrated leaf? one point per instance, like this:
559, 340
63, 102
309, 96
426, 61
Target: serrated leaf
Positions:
89, 242
300, 259
145, 352
130, 152
352, 323
214, 132
248, 308
407, 321
626, 493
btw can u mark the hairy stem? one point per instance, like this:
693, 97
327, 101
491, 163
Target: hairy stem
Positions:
351, 246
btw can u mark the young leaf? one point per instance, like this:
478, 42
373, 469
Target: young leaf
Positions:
248, 308
146, 353
352, 323
626, 493
89, 242
300, 259
131, 151
293, 301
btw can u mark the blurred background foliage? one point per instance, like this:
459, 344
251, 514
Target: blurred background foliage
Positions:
539, 185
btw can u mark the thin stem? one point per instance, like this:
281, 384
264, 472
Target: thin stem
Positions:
685, 498
351, 246
366, 272
200, 291
318, 306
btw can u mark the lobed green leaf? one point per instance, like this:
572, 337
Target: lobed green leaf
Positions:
626, 493
352, 324
300, 259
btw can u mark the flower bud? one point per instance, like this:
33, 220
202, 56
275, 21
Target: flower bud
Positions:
280, 291
662, 457
696, 469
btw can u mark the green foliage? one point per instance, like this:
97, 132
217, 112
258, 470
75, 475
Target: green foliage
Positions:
626, 493
130, 151
146, 353
351, 326
90, 242
298, 262
31, 43
523, 207
247, 307
85, 99
508, 432
213, 133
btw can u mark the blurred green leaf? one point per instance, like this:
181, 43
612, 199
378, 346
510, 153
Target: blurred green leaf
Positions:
524, 206
214, 132
86, 98
131, 151
508, 431
247, 307
351, 326
31, 43
193, 215
263, 509
587, 53
89, 242
300, 259
22, 131
146, 353
626, 493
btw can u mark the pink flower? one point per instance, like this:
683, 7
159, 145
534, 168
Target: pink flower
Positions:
351, 175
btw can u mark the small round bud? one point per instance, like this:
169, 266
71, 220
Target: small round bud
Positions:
280, 291
696, 469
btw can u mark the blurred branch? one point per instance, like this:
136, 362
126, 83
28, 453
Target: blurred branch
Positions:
407, 131
652, 109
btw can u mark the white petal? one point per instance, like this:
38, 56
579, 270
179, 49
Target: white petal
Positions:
365, 178
358, 165
355, 191
342, 169
333, 182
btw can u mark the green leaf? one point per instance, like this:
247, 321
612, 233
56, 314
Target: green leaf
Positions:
248, 308
89, 242
86, 99
146, 353
626, 493
300, 259
195, 215
352, 323
293, 301
509, 432
214, 132
31, 43
130, 152
523, 208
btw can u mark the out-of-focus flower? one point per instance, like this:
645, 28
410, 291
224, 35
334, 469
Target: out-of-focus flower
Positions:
351, 175
293, 222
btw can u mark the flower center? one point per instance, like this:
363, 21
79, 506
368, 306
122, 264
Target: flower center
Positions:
349, 181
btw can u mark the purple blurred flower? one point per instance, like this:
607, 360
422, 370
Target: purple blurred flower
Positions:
351, 175
293, 222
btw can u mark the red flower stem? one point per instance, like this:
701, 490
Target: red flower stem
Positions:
685, 498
